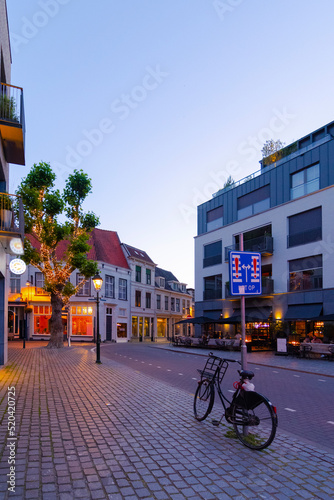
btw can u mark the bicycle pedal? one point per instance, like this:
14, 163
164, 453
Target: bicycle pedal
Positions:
215, 422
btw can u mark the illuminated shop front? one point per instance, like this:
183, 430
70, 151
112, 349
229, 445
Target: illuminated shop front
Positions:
142, 327
42, 316
162, 327
82, 321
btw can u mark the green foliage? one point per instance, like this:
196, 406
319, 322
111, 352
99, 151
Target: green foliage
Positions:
8, 108
43, 206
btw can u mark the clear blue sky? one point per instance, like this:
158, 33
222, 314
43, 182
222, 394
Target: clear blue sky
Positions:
159, 101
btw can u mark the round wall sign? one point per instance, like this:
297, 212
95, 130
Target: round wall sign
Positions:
17, 266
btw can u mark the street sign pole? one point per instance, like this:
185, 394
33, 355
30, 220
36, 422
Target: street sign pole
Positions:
245, 279
243, 319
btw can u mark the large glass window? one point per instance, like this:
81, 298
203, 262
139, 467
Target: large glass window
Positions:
110, 286
82, 320
212, 287
254, 202
135, 326
305, 227
121, 330
214, 218
305, 181
42, 316
161, 327
305, 274
122, 289
212, 254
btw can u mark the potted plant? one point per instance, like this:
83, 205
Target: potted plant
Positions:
6, 210
8, 108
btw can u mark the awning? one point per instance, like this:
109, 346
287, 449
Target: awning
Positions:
303, 312
200, 320
252, 314
324, 317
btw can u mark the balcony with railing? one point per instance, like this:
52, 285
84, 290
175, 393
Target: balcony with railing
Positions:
263, 245
11, 223
12, 123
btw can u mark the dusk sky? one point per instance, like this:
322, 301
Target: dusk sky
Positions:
159, 101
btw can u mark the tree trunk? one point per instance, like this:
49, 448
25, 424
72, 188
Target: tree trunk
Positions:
56, 326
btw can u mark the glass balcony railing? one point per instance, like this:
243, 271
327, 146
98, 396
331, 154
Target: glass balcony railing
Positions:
263, 245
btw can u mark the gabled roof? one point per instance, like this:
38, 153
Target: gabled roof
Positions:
136, 253
106, 247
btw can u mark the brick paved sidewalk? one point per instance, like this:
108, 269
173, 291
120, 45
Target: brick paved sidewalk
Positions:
106, 431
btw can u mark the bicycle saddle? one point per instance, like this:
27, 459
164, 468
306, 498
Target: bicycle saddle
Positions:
246, 374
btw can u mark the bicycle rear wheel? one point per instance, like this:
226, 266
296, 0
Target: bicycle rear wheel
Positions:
254, 420
204, 399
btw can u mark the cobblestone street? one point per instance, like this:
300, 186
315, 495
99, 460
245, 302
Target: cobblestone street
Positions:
93, 431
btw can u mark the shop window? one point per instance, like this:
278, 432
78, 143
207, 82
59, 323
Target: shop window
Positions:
135, 326
305, 274
147, 327
305, 227
161, 327
305, 181
42, 316
121, 330
212, 254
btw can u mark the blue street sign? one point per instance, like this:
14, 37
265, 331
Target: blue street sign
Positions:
245, 273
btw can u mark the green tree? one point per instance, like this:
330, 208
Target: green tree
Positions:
271, 147
43, 207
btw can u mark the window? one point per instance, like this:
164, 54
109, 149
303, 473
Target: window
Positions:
138, 274
166, 303
85, 289
15, 283
122, 289
305, 274
121, 330
172, 304
138, 298
148, 276
148, 300
110, 286
305, 227
254, 202
39, 282
162, 282
215, 218
305, 181
158, 301
212, 254
177, 304
212, 287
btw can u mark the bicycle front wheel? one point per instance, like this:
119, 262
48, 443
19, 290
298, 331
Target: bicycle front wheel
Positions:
204, 399
254, 420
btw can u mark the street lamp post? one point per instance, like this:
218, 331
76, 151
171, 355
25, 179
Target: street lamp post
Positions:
97, 281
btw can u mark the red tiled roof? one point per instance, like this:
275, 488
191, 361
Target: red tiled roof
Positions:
106, 247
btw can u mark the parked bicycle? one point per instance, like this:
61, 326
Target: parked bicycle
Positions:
252, 415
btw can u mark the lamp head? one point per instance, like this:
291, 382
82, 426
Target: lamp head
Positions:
97, 281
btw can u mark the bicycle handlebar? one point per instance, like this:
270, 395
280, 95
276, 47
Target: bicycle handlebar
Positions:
211, 355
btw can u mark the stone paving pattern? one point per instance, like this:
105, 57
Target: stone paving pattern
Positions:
106, 431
